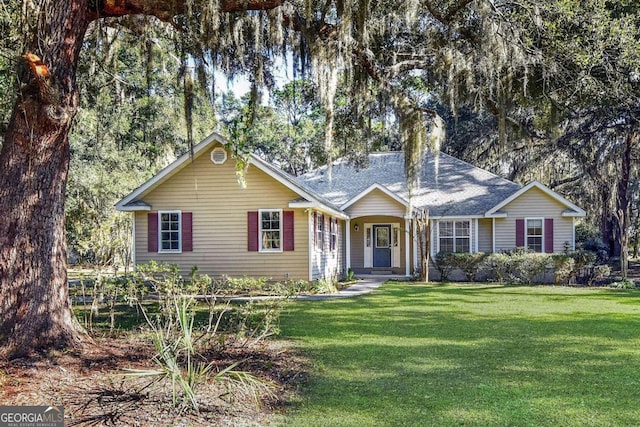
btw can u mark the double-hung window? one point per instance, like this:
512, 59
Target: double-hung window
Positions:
170, 230
319, 231
534, 229
454, 236
333, 225
270, 231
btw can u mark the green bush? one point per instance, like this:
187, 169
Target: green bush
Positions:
445, 263
517, 266
469, 263
564, 268
623, 284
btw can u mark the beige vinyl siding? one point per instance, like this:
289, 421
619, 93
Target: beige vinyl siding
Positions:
325, 263
485, 235
357, 241
376, 203
219, 206
533, 204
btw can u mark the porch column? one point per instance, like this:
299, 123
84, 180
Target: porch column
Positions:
347, 241
493, 235
133, 240
407, 261
475, 234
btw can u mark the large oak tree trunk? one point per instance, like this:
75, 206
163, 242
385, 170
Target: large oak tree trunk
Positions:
34, 161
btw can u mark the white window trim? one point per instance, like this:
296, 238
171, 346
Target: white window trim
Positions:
470, 249
526, 233
260, 248
169, 251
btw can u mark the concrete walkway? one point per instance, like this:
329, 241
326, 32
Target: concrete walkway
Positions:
364, 286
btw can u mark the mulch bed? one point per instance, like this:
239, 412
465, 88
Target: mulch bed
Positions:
94, 391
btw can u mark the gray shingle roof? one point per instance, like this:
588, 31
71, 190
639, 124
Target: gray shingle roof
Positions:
448, 186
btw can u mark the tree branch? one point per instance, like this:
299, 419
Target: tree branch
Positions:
165, 10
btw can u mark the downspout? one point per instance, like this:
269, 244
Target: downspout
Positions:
348, 245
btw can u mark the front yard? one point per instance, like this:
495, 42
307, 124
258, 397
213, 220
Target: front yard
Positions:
411, 354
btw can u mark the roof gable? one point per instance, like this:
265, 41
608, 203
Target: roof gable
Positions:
372, 188
572, 210
132, 201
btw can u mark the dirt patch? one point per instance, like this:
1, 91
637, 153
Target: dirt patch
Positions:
94, 391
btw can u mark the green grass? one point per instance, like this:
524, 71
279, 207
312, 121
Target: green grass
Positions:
469, 355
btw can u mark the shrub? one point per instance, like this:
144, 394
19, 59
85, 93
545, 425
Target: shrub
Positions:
324, 286
596, 273
598, 248
623, 284
517, 266
445, 263
499, 265
469, 263
564, 268
350, 275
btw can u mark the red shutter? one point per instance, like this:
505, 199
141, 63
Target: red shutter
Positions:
252, 231
548, 235
322, 233
187, 231
287, 229
520, 233
152, 232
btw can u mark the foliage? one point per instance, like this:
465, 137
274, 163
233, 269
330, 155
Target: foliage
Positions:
623, 284
350, 275
469, 263
180, 341
596, 273
176, 358
597, 247
324, 286
564, 268
517, 266
445, 263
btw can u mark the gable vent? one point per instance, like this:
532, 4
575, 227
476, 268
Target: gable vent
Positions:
218, 155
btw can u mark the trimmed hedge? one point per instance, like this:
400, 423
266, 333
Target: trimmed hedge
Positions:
521, 266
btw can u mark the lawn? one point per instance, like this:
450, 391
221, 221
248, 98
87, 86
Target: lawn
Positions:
443, 355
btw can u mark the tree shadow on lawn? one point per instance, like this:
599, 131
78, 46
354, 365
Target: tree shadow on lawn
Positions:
415, 364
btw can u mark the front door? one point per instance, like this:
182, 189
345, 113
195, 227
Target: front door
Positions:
382, 246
